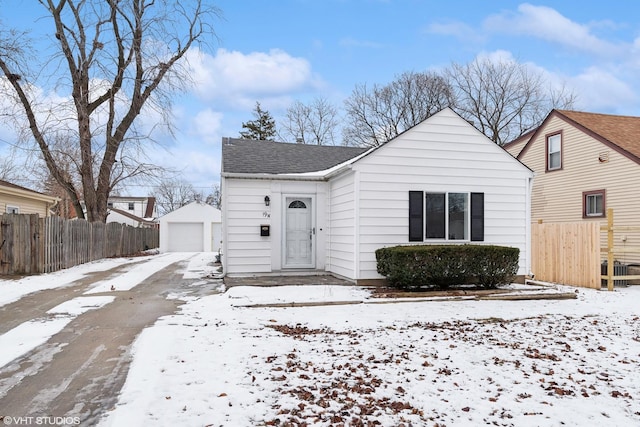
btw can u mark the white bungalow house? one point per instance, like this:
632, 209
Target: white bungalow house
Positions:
195, 227
293, 208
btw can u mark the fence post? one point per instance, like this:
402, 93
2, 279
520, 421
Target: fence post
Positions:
610, 269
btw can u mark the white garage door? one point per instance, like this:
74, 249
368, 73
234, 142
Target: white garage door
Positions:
186, 236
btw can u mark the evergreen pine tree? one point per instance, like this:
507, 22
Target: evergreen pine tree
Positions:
263, 128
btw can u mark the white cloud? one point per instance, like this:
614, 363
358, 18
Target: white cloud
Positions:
548, 24
206, 126
240, 79
459, 30
602, 91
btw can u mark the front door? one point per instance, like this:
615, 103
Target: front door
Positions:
298, 233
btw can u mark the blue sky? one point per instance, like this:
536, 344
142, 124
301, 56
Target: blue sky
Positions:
277, 52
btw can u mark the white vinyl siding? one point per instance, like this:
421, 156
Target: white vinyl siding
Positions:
341, 240
443, 154
244, 211
244, 250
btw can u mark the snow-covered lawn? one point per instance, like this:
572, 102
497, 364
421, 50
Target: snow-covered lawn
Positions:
569, 362
442, 362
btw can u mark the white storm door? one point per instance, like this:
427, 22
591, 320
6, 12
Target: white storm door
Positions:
298, 232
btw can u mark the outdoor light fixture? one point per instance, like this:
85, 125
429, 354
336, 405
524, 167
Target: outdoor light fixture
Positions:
267, 200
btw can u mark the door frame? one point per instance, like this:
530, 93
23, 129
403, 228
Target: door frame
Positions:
286, 199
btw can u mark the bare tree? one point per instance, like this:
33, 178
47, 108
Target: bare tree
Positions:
215, 197
172, 194
10, 169
117, 59
375, 116
504, 99
313, 123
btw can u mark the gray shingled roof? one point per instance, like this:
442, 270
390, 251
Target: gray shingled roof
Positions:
247, 156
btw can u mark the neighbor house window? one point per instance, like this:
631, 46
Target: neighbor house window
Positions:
554, 152
446, 216
13, 209
593, 204
130, 206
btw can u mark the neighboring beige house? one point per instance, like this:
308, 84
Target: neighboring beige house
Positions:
586, 163
21, 200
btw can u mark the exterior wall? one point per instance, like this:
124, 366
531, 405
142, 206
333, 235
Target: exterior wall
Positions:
515, 147
25, 204
202, 213
341, 242
444, 153
557, 195
245, 251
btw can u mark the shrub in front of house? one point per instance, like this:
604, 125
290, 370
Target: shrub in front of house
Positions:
443, 266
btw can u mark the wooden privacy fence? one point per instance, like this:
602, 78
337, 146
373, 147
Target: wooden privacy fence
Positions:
566, 253
32, 245
570, 253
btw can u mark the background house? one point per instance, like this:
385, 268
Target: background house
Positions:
584, 164
133, 211
195, 227
300, 208
21, 200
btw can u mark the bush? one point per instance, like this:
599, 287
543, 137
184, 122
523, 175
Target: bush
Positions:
443, 266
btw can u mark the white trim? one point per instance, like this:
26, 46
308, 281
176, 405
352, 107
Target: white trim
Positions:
356, 224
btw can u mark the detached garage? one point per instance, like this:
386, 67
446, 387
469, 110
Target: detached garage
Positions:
196, 227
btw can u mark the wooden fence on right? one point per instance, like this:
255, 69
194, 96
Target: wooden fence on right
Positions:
572, 253
567, 253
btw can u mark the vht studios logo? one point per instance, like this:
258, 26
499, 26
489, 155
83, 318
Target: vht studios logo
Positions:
41, 421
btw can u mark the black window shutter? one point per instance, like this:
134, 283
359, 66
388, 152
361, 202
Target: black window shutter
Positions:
477, 217
416, 210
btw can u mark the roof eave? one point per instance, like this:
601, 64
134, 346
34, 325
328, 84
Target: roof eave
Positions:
30, 194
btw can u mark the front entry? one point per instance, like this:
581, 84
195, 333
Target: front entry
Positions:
298, 233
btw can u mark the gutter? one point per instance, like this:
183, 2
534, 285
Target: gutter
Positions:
272, 177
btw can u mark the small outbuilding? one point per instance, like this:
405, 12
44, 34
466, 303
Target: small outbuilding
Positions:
196, 227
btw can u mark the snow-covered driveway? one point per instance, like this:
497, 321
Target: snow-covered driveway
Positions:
65, 337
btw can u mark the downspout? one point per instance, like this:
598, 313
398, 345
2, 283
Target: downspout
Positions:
223, 246
528, 224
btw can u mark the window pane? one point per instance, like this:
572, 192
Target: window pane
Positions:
458, 216
554, 161
435, 216
554, 150
594, 204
